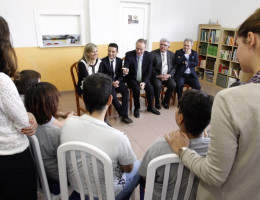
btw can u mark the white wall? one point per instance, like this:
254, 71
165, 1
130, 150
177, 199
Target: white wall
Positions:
172, 19
177, 20
232, 13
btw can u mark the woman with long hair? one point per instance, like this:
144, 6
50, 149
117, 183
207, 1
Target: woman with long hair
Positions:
88, 64
17, 169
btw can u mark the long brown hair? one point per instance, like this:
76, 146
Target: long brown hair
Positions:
8, 59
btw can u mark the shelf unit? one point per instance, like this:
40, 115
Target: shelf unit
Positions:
208, 48
228, 69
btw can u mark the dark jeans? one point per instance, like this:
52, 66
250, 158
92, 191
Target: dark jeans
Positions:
187, 79
18, 178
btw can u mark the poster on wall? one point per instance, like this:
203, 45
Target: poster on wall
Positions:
133, 19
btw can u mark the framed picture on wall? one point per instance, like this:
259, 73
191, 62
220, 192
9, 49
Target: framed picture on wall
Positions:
59, 28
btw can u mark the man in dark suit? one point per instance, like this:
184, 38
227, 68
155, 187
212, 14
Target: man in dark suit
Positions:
163, 73
138, 67
186, 60
112, 66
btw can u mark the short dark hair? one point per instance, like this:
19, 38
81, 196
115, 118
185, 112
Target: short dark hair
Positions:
96, 91
42, 101
113, 45
26, 79
195, 106
141, 40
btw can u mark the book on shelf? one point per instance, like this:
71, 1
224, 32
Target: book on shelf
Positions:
235, 72
223, 69
210, 63
209, 76
217, 36
234, 58
225, 54
203, 48
229, 40
204, 36
231, 80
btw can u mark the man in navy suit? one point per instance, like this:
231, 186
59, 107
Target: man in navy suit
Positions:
112, 66
186, 60
138, 67
163, 73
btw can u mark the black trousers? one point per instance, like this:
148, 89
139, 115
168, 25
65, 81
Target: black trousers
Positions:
187, 79
18, 180
135, 86
121, 109
157, 86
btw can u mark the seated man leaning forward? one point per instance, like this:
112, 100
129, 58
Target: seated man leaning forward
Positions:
92, 129
193, 116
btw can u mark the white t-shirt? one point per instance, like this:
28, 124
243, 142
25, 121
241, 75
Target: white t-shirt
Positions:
113, 142
13, 118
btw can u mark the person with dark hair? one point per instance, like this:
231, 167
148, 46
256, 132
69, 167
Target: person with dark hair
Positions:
186, 60
138, 69
91, 128
26, 79
17, 169
42, 100
112, 66
88, 64
229, 171
163, 73
192, 117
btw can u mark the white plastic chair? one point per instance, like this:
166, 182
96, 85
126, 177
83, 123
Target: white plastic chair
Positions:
70, 148
166, 160
35, 147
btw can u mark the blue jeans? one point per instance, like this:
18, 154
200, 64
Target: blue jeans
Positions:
132, 180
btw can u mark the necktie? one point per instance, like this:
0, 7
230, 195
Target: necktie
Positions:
164, 64
139, 70
112, 68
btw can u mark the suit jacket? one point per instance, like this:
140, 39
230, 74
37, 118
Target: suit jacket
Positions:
131, 64
157, 63
181, 67
106, 69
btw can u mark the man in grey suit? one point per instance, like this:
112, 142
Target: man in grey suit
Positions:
163, 73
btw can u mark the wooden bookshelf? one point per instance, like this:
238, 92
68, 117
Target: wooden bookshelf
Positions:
208, 47
228, 67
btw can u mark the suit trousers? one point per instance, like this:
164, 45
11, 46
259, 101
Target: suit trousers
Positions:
121, 109
18, 179
186, 79
135, 86
157, 86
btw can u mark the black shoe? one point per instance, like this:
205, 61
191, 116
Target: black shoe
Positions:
165, 105
136, 113
153, 110
157, 106
127, 120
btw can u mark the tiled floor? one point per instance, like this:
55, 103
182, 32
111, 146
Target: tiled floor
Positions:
144, 131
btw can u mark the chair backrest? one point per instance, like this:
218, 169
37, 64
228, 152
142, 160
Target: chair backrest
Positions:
35, 147
70, 149
74, 75
166, 160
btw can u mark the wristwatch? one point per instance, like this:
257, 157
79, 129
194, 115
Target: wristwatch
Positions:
181, 150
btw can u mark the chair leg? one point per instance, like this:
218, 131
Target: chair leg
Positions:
78, 106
